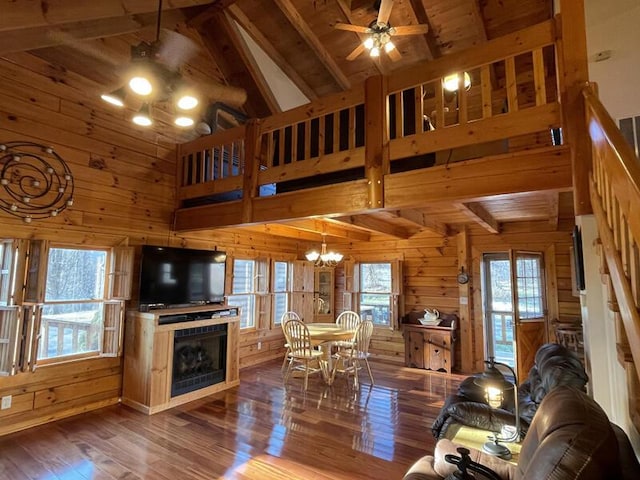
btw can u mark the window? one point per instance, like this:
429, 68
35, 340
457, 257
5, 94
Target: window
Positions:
6, 269
73, 310
243, 291
280, 290
375, 298
530, 286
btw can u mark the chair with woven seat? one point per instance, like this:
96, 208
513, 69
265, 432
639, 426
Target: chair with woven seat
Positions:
301, 350
351, 358
348, 320
286, 316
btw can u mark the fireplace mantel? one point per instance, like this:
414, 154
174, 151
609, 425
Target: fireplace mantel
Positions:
148, 354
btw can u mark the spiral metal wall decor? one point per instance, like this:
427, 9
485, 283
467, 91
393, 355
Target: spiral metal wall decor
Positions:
35, 182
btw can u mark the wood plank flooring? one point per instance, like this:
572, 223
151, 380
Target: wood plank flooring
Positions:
261, 430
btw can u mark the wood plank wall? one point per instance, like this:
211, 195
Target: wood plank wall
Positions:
430, 269
125, 193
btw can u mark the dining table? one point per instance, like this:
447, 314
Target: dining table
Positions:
324, 335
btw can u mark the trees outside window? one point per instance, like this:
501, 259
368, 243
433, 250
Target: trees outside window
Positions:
280, 289
243, 291
375, 296
73, 310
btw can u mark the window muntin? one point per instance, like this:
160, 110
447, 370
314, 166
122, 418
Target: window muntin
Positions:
529, 281
243, 291
73, 311
375, 295
280, 290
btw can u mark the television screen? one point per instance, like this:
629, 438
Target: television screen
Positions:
179, 276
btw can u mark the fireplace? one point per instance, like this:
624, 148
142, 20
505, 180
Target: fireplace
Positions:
199, 358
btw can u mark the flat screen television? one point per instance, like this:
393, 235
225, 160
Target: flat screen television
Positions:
171, 277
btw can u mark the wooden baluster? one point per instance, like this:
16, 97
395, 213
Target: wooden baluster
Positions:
634, 273
439, 104
321, 134
419, 109
307, 139
624, 243
463, 116
336, 132
615, 219
539, 77
512, 86
352, 128
270, 150
294, 142
485, 88
281, 136
399, 104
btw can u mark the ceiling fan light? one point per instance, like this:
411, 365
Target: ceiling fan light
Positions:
141, 85
115, 98
187, 102
375, 52
183, 121
389, 46
451, 82
143, 117
368, 43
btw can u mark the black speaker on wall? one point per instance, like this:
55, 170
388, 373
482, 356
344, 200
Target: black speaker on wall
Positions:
577, 258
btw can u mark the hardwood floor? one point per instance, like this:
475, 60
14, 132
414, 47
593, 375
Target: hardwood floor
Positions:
261, 430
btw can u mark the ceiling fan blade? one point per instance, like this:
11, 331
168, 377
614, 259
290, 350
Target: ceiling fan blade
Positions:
411, 29
385, 11
352, 28
356, 51
81, 46
394, 54
175, 49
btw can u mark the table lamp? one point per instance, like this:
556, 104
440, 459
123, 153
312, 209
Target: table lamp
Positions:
494, 384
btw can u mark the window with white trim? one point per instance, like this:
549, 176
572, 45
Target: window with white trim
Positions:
281, 288
243, 290
375, 296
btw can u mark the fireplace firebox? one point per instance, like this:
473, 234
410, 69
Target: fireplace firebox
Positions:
199, 358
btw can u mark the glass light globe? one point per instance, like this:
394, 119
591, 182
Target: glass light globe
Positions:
389, 46
368, 43
187, 102
375, 52
141, 86
142, 120
183, 121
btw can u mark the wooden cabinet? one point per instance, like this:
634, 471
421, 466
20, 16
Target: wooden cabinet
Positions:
150, 338
323, 300
431, 348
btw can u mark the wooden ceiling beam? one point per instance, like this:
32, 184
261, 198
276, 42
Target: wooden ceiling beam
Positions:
232, 60
239, 16
280, 230
480, 215
418, 218
376, 225
29, 14
206, 13
433, 49
331, 229
294, 17
478, 20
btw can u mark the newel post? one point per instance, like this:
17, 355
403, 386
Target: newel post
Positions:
575, 75
376, 139
251, 168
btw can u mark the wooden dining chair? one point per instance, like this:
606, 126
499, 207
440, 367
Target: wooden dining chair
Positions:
348, 320
301, 350
286, 316
351, 358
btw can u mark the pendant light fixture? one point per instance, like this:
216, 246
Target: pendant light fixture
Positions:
324, 258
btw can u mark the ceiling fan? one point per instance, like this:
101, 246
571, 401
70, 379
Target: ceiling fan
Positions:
379, 33
153, 75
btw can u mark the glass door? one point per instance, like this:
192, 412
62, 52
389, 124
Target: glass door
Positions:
498, 308
514, 317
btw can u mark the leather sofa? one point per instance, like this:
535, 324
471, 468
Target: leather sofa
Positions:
554, 365
570, 437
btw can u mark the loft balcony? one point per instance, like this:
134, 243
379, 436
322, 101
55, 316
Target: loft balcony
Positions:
395, 142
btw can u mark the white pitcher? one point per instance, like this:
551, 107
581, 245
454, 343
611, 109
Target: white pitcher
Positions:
431, 315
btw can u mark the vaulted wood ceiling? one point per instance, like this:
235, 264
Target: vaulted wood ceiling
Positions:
90, 41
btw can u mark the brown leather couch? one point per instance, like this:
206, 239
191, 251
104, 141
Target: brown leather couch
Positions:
570, 438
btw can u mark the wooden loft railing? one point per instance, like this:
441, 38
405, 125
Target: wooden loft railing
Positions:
615, 198
238, 176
